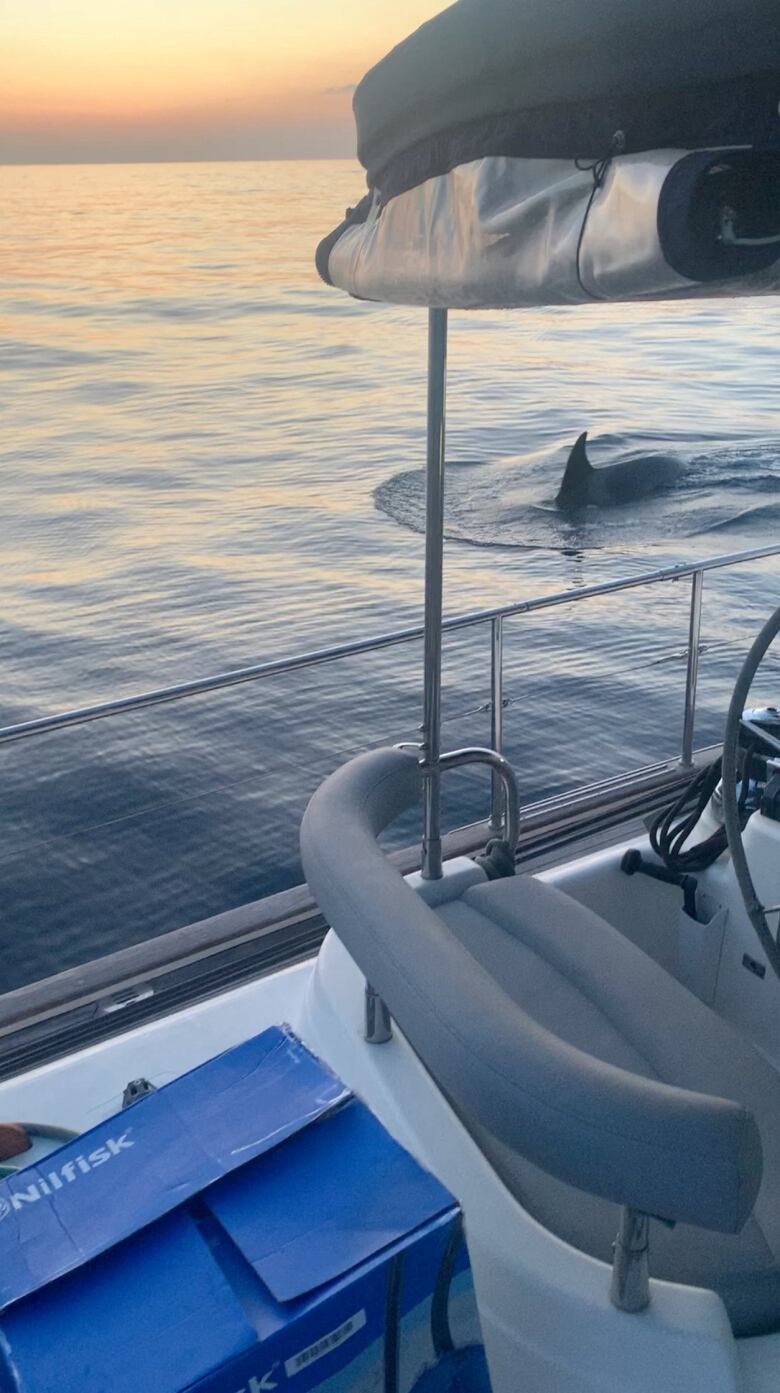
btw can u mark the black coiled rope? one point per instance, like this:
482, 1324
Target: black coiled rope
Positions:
671, 829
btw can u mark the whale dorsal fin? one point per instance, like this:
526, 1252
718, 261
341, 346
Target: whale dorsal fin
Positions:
574, 485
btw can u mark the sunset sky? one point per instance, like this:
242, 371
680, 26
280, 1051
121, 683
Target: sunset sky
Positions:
84, 80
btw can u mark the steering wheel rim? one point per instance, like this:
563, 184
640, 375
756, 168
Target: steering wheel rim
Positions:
753, 906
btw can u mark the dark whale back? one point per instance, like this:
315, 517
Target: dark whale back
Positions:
615, 483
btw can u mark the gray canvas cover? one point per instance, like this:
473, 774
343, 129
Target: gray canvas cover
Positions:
543, 152
502, 232
617, 58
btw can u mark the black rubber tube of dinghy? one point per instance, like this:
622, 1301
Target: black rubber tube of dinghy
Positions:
731, 816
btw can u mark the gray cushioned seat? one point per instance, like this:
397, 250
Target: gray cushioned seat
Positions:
579, 977
587, 1074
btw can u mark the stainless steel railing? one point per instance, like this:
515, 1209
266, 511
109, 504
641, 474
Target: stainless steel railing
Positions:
495, 617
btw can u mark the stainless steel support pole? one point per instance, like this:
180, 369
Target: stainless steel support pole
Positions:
498, 812
434, 560
630, 1288
692, 675
378, 1022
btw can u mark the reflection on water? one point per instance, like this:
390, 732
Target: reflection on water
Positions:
208, 458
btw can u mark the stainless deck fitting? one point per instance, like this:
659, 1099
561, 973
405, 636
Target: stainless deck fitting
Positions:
630, 1286
503, 774
378, 1021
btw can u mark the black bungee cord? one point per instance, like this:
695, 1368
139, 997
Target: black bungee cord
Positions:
672, 827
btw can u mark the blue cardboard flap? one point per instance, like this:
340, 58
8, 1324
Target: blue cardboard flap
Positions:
138, 1166
154, 1313
328, 1200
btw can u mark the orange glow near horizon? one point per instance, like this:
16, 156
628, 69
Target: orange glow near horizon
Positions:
111, 70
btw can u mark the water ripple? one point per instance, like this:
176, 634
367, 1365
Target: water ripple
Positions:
208, 458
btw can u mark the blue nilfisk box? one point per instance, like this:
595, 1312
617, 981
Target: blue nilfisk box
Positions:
249, 1227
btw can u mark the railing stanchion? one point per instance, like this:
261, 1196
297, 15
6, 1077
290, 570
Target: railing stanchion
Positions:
142, 701
692, 674
498, 810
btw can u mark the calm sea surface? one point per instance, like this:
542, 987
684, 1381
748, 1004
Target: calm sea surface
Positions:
207, 459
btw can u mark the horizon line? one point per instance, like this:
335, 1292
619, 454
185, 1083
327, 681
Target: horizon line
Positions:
192, 159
